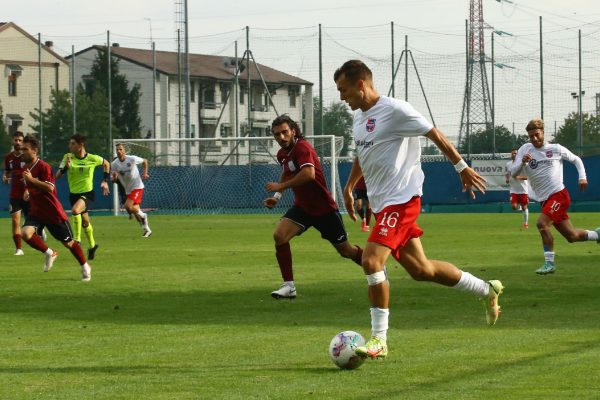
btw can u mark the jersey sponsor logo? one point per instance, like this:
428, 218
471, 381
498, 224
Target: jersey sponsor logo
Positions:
129, 164
488, 169
370, 125
533, 164
291, 165
549, 153
363, 143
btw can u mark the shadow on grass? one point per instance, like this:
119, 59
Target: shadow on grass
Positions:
414, 306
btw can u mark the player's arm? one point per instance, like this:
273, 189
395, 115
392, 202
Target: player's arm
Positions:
35, 182
578, 163
468, 176
65, 164
104, 184
5, 176
145, 173
355, 175
272, 201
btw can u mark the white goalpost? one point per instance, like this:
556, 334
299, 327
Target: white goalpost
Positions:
219, 175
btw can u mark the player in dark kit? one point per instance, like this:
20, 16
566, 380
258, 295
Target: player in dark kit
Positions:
313, 204
46, 210
12, 174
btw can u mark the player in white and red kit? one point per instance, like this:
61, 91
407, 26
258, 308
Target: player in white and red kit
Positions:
386, 134
46, 210
519, 191
13, 167
124, 168
543, 164
313, 204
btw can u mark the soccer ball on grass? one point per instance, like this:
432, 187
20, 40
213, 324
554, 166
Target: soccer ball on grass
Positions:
342, 349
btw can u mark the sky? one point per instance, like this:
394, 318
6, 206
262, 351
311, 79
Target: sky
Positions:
284, 35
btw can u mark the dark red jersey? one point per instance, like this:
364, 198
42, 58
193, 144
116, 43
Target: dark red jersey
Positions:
361, 185
312, 197
45, 206
14, 165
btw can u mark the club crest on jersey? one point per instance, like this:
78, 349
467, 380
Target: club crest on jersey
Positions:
291, 166
129, 164
370, 125
549, 153
533, 164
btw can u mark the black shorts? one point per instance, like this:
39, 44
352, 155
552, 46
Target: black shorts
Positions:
360, 194
17, 205
88, 198
330, 225
61, 232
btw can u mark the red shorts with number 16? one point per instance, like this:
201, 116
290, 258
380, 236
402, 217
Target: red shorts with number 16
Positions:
557, 205
396, 224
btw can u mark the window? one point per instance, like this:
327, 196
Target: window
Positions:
208, 98
193, 92
258, 99
293, 93
12, 84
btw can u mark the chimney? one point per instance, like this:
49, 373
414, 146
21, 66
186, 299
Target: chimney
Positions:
49, 43
115, 45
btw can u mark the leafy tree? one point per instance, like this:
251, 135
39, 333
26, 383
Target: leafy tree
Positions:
567, 134
5, 139
57, 124
482, 141
337, 120
124, 101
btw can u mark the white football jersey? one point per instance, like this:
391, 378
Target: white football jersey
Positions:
388, 149
545, 169
128, 172
517, 186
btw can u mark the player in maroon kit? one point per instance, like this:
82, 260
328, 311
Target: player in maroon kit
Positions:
18, 204
46, 210
361, 201
313, 204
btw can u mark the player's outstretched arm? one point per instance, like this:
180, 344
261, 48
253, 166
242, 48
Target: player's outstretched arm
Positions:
469, 178
104, 184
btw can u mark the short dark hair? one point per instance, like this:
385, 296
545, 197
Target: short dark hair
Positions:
79, 138
32, 142
353, 70
285, 119
18, 133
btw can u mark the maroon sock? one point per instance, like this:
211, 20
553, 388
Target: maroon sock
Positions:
284, 259
77, 252
369, 213
358, 257
17, 240
37, 243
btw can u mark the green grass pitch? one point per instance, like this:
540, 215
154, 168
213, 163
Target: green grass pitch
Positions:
187, 314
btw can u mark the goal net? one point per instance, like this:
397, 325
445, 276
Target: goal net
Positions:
219, 176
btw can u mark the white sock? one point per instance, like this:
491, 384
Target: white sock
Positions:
549, 256
379, 322
290, 283
141, 214
592, 235
470, 283
49, 251
526, 216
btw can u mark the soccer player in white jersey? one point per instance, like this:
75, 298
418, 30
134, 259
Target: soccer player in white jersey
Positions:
124, 168
386, 134
519, 191
542, 162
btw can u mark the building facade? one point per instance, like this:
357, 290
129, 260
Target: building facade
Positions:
23, 61
261, 92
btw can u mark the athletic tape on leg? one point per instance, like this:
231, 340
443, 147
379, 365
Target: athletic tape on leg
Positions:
376, 278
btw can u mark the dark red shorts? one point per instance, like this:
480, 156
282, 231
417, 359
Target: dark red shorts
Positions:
395, 225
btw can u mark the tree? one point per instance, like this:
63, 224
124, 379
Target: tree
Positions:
57, 124
337, 120
124, 101
5, 138
482, 141
567, 134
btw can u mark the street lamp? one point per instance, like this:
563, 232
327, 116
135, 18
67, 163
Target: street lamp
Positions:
578, 97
